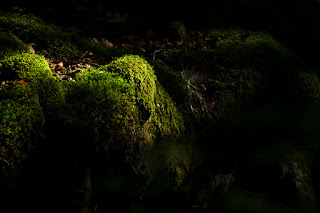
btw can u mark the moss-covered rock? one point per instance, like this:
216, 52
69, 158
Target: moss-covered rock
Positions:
21, 122
105, 101
308, 87
178, 30
253, 48
11, 44
233, 88
34, 68
61, 48
159, 111
24, 65
30, 28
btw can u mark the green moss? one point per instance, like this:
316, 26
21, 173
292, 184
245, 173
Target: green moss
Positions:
251, 48
301, 162
24, 65
62, 48
11, 44
233, 88
106, 102
180, 158
308, 86
99, 51
21, 122
36, 68
159, 110
30, 28
171, 81
178, 30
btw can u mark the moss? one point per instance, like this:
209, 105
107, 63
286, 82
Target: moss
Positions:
30, 28
22, 120
101, 52
246, 47
11, 44
106, 102
308, 87
24, 65
62, 49
178, 30
160, 112
36, 68
233, 88
171, 81
180, 158
301, 166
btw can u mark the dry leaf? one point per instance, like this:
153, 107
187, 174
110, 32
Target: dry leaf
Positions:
30, 46
24, 81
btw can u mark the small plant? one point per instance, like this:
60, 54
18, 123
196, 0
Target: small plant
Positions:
193, 91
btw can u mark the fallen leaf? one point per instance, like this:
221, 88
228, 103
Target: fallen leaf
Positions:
24, 81
203, 87
30, 46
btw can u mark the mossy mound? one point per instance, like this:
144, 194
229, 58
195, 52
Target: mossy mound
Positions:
308, 87
234, 67
24, 65
233, 88
11, 44
30, 28
159, 111
26, 68
248, 47
22, 120
106, 103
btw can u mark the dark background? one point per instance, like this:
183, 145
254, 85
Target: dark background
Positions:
294, 22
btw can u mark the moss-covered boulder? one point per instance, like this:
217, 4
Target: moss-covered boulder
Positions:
21, 124
158, 110
11, 44
30, 28
308, 87
105, 102
233, 88
25, 68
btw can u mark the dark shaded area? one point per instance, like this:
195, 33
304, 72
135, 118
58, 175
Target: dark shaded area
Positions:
295, 23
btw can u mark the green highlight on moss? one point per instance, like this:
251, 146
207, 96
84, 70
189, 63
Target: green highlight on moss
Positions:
22, 120
30, 28
106, 101
163, 118
35, 67
11, 44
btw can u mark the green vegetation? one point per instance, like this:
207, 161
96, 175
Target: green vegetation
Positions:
35, 69
30, 28
11, 44
308, 87
160, 113
153, 114
106, 103
233, 88
22, 120
24, 65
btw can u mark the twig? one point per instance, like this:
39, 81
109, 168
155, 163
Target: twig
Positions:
156, 51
